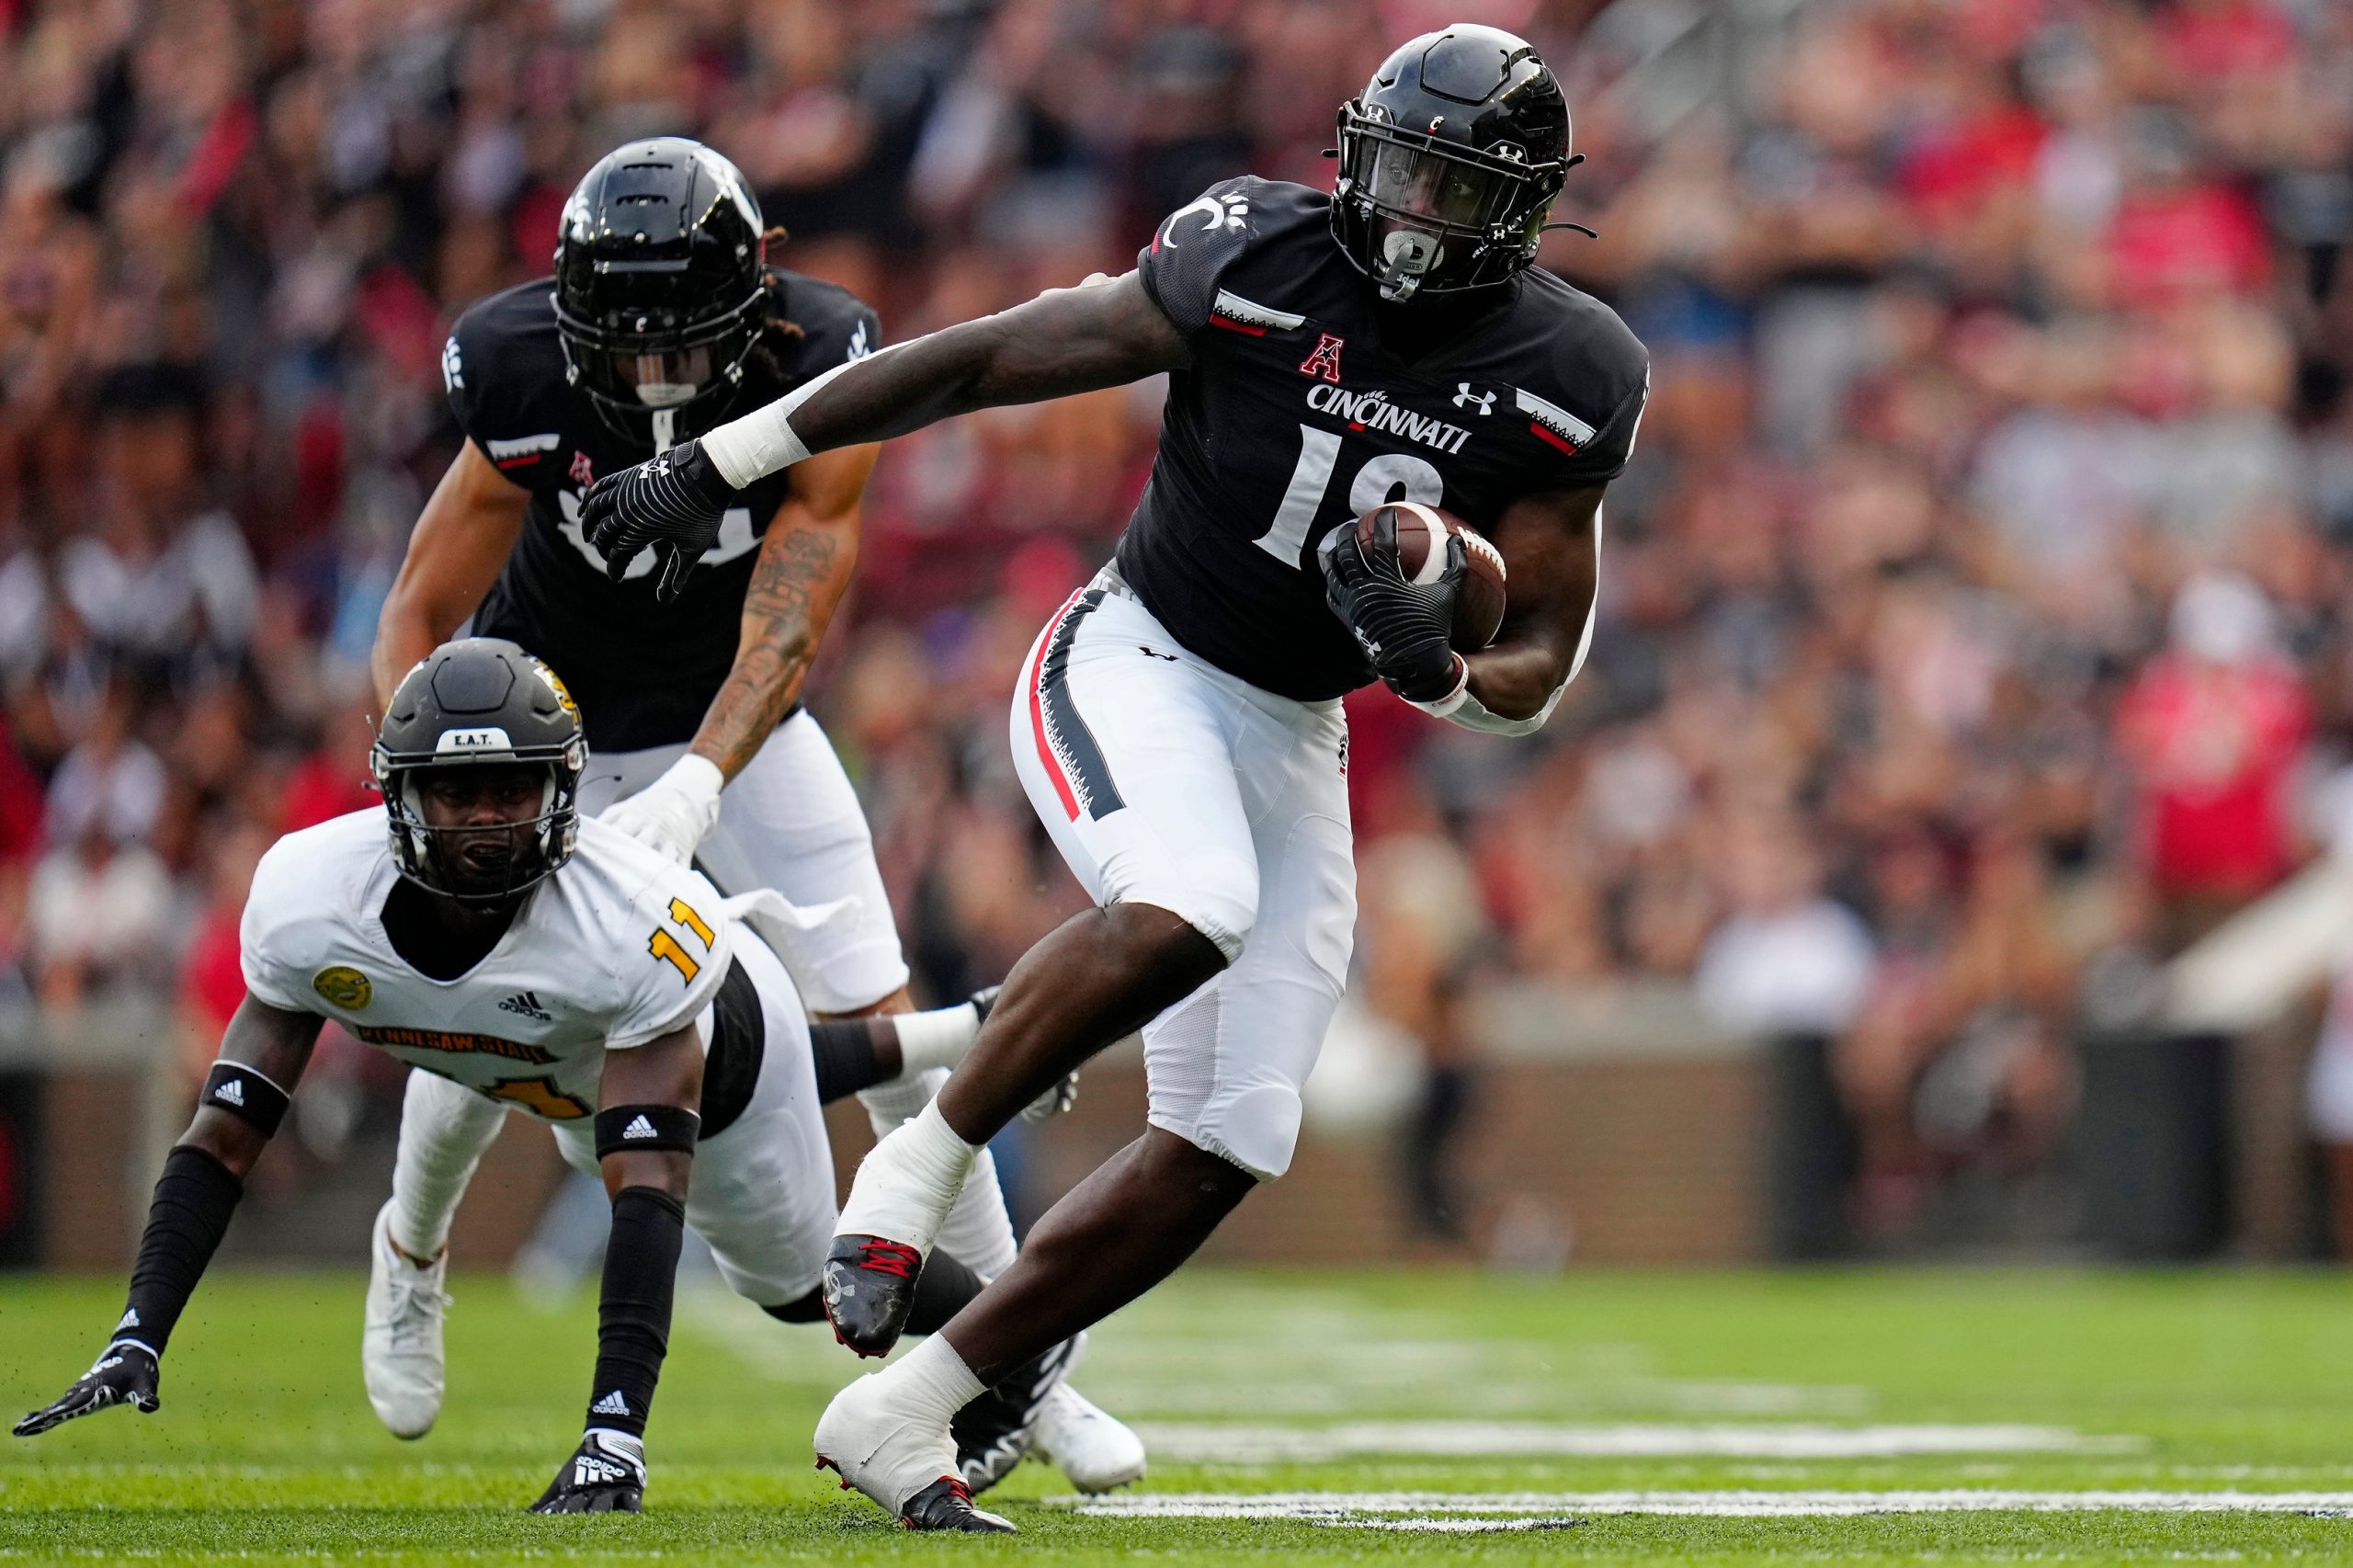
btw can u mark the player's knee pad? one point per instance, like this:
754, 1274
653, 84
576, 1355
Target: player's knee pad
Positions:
1255, 1128
1215, 893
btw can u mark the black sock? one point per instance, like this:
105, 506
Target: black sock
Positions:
941, 1291
194, 1197
633, 1310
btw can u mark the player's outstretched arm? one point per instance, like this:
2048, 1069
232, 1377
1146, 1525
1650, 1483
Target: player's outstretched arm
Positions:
462, 540
262, 1057
1065, 341
645, 1139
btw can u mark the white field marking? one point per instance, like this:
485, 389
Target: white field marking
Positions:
1312, 1353
1223, 1345
1497, 1510
1209, 1442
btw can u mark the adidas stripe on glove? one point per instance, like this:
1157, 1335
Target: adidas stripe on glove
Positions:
605, 1474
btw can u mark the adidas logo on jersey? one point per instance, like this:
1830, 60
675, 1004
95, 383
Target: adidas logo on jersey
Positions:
232, 1091
528, 1003
612, 1403
638, 1128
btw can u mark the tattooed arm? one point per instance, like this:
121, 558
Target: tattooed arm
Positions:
804, 564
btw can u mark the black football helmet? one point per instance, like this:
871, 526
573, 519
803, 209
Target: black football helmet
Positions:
476, 702
660, 282
1449, 161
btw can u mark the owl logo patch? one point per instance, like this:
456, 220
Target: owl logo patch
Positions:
344, 986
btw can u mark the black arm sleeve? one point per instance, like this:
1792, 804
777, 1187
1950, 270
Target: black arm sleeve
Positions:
633, 1313
190, 1213
847, 1053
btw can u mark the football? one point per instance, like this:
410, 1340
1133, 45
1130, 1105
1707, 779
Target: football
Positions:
1479, 604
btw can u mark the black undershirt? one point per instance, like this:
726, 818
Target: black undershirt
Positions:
430, 943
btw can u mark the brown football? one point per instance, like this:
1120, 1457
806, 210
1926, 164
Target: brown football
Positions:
1479, 604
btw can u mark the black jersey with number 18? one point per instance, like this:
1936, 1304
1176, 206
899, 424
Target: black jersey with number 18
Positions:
644, 671
1295, 417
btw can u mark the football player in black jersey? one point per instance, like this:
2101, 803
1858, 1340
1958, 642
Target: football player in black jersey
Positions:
1178, 727
664, 317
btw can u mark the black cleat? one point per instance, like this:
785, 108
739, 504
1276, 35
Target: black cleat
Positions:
994, 1432
946, 1505
869, 1289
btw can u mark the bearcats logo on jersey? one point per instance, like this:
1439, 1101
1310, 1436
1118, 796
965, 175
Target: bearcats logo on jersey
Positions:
1295, 415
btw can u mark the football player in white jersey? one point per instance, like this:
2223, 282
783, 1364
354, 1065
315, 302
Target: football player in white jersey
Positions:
649, 331
497, 940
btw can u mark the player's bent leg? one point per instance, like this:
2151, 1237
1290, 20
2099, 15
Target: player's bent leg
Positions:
1125, 755
1098, 976
445, 1129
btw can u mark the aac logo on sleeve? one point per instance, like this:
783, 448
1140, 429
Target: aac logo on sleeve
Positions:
344, 986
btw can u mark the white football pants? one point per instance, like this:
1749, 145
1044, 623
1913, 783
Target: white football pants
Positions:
1165, 780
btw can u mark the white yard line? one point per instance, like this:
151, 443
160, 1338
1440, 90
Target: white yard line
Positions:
1452, 1511
1215, 1442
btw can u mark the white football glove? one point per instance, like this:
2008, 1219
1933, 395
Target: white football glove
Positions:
672, 815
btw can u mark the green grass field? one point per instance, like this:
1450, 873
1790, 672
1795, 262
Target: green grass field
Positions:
1610, 1417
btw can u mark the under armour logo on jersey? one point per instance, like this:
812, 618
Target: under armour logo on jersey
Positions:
1225, 211
638, 1128
1465, 398
583, 474
612, 1405
233, 1091
1326, 359
528, 1003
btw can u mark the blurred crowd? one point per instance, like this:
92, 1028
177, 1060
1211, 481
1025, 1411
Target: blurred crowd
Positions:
1973, 612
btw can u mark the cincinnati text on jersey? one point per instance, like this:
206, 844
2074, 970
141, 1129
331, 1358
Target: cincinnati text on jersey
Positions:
442, 1039
1373, 410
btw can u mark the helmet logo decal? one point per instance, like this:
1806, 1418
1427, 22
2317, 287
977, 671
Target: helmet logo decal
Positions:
1229, 212
555, 684
1324, 360
344, 986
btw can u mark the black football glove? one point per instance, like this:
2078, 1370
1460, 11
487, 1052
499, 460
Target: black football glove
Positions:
674, 504
1405, 628
605, 1474
125, 1374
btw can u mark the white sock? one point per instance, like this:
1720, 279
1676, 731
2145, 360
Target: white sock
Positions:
906, 1185
445, 1128
932, 1382
978, 1231
937, 1038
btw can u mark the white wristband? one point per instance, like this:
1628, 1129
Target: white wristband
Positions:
1467, 711
762, 442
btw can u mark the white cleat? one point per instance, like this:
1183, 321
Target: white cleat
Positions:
399, 1348
1093, 1449
898, 1459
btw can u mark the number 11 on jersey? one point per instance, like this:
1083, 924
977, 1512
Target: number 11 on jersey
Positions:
672, 951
